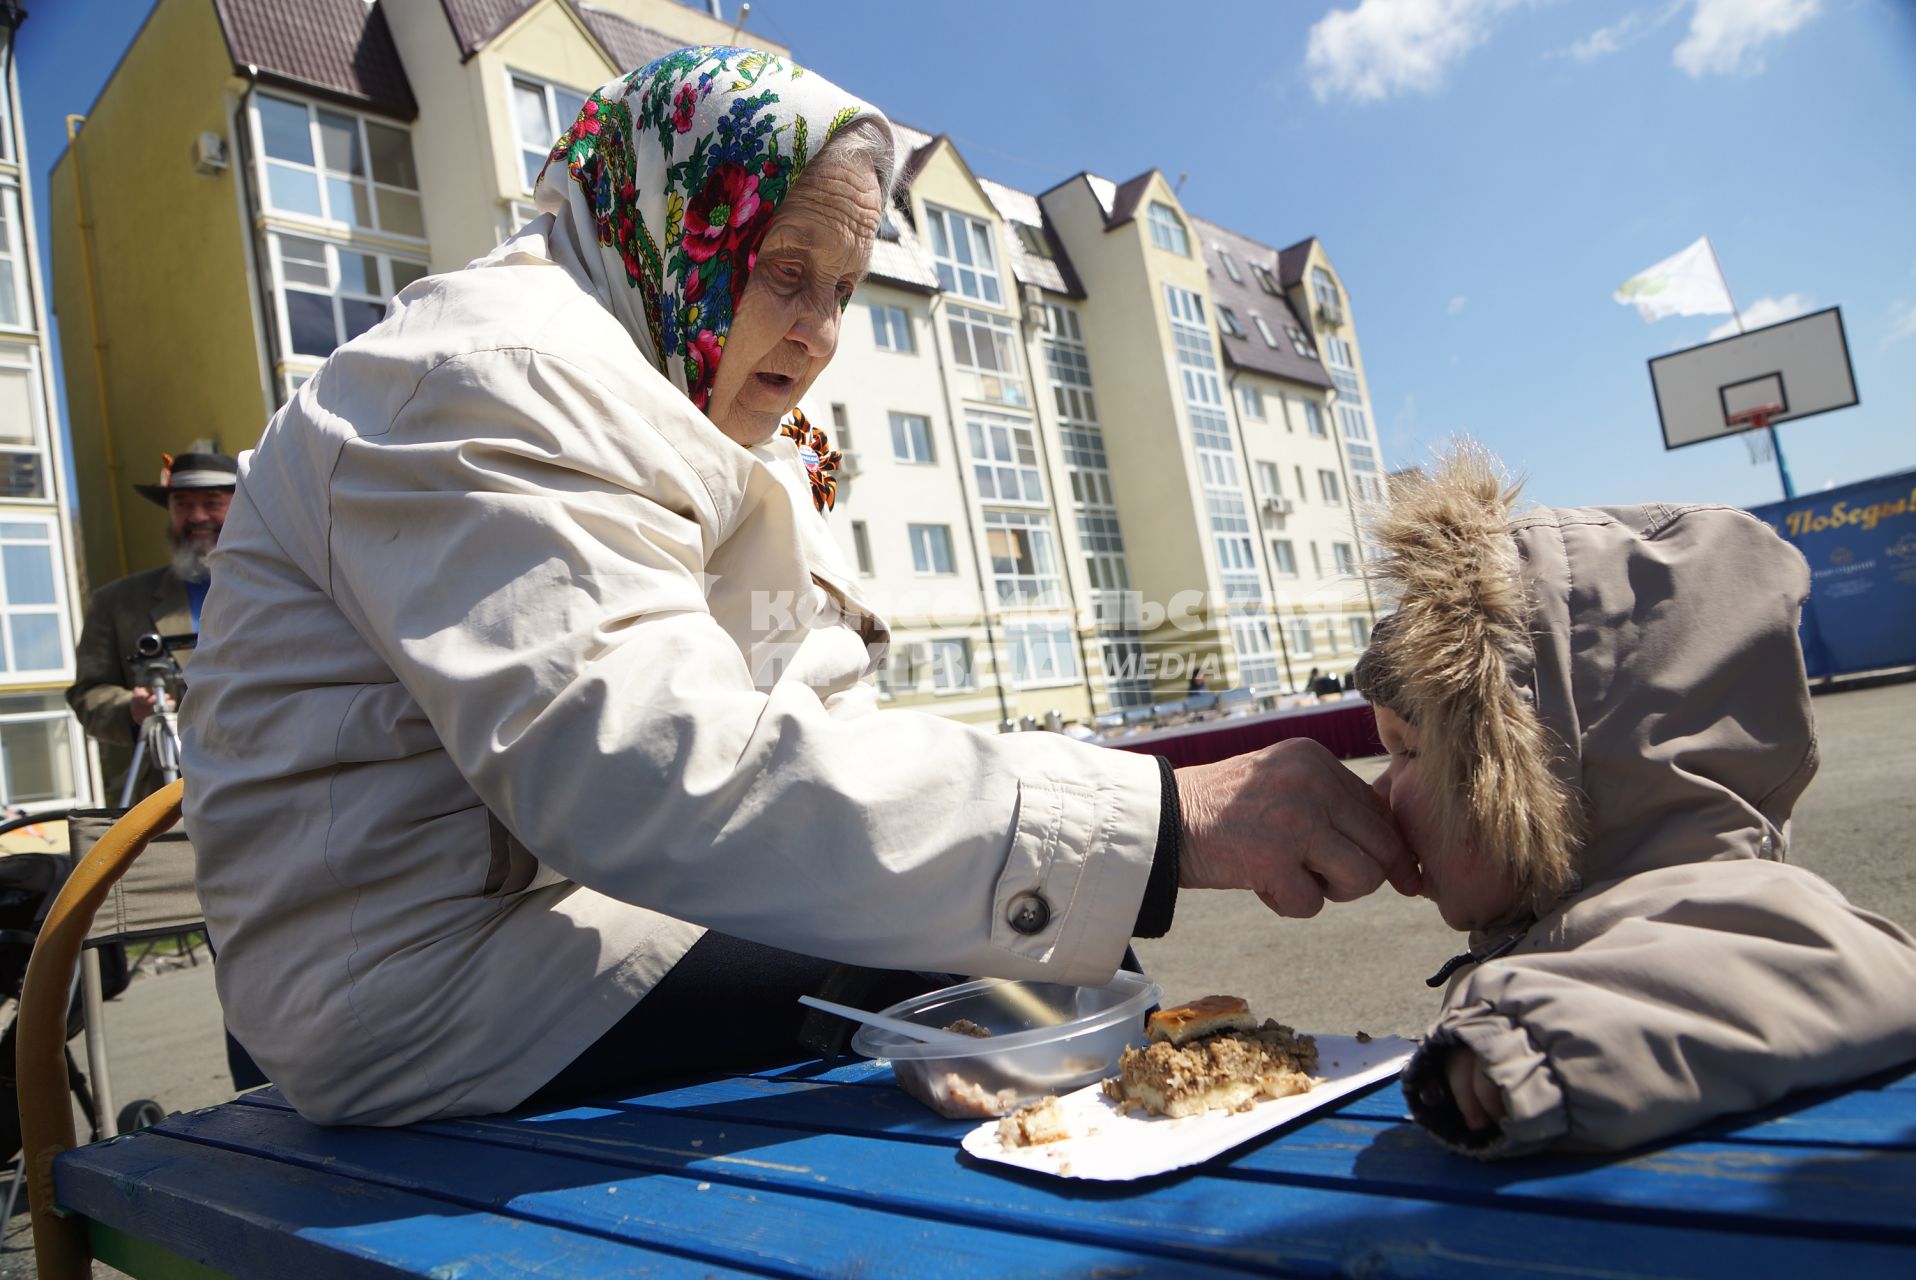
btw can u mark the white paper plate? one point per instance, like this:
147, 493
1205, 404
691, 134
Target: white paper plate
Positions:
1109, 1146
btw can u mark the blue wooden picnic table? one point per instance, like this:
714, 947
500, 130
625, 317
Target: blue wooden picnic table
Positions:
810, 1171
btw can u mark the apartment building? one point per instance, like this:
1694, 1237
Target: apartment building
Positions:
43, 755
1047, 475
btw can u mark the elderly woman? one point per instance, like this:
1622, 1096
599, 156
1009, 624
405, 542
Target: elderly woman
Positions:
529, 659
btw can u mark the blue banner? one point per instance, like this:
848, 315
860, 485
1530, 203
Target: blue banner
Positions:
1860, 541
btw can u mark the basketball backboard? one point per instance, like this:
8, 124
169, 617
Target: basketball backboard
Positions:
1794, 369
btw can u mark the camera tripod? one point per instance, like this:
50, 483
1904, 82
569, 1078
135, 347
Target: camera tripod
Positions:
159, 738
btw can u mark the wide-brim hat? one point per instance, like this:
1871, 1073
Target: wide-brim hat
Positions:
191, 471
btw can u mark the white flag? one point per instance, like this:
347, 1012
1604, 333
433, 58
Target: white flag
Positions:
1685, 284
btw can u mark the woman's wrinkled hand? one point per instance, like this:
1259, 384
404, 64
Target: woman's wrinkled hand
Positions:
1293, 825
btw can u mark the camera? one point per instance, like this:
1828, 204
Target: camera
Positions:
154, 665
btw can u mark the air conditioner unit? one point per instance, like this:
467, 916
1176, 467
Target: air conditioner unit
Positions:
847, 464
1279, 506
209, 154
1330, 312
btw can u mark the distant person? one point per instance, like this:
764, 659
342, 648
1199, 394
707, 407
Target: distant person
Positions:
1598, 724
1327, 686
1198, 683
1310, 681
195, 489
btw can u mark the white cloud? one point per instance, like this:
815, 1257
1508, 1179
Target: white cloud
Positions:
1629, 29
1725, 35
1902, 322
1765, 311
1458, 303
1386, 47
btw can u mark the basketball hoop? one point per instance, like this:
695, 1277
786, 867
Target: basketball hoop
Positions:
1754, 424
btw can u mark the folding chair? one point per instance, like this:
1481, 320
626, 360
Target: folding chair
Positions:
46, 1119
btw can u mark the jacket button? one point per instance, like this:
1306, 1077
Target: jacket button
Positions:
1028, 913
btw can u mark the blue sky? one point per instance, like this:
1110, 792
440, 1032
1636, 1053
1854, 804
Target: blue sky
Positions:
1483, 173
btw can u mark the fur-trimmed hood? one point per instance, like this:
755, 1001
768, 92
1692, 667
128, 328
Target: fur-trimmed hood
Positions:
1605, 690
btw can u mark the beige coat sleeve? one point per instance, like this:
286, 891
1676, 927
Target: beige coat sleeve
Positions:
1683, 995
529, 554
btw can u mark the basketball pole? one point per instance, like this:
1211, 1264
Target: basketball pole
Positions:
1776, 444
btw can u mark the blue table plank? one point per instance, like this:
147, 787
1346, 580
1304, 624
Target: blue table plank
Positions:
1831, 1187
1211, 1214
1862, 1118
251, 1217
693, 1211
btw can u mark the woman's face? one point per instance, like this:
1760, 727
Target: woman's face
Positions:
1470, 891
786, 327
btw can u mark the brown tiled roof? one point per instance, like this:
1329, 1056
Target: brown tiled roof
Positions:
1247, 299
1124, 203
1048, 270
334, 48
1290, 262
474, 22
631, 45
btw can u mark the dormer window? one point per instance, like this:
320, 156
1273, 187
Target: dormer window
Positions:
1230, 265
1167, 229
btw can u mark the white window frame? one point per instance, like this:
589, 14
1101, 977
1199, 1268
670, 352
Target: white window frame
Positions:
305, 360
935, 649
891, 329
25, 357
555, 120
1230, 265
1283, 558
1167, 229
1330, 486
262, 164
1299, 630
1354, 421
56, 608
917, 452
1360, 632
1325, 290
1006, 454
1344, 556
1043, 586
1256, 651
56, 713
1227, 321
862, 548
1270, 480
1300, 343
942, 230
1024, 639
1314, 420
13, 253
1264, 331
925, 565
1252, 401
1265, 280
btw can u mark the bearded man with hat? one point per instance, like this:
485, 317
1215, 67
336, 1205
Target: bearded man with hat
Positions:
195, 489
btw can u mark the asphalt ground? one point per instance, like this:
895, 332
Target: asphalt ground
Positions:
1356, 966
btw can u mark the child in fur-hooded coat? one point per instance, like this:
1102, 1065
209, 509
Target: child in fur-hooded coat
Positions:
1599, 722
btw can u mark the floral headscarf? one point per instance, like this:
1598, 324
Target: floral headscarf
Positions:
673, 173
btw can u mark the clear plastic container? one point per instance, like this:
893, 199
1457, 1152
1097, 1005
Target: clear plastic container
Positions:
1046, 1038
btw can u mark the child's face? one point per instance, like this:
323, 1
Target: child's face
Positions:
1470, 892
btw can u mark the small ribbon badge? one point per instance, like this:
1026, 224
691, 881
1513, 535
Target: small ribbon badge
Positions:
820, 459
